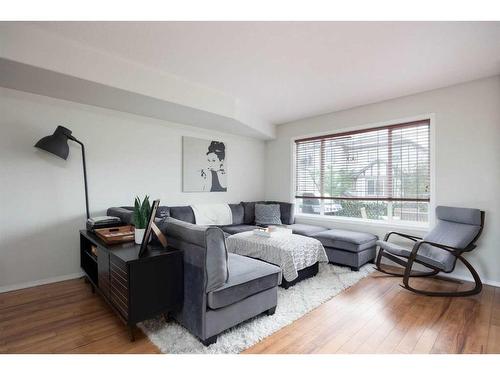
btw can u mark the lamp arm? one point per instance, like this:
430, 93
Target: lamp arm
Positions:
84, 174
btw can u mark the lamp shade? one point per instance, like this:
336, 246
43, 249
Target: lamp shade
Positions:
56, 143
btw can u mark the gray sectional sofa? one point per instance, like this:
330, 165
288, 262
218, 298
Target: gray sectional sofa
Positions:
222, 289
343, 247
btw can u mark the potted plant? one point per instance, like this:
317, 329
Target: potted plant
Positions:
142, 211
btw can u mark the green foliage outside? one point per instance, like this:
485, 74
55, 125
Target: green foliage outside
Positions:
374, 210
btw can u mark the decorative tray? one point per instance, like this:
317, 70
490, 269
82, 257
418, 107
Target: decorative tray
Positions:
115, 235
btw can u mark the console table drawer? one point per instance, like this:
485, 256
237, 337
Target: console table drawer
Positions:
119, 290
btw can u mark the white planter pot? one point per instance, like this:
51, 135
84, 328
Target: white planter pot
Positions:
139, 235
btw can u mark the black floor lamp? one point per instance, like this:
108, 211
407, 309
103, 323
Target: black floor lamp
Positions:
57, 144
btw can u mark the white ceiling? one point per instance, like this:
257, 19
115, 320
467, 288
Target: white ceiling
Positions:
291, 70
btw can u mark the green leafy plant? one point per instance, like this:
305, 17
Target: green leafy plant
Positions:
142, 211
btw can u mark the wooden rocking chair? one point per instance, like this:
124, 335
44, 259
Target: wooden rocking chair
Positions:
456, 232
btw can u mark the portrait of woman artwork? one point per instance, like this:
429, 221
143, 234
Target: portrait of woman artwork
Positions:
204, 165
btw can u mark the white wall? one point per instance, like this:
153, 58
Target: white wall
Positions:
42, 197
70, 68
467, 154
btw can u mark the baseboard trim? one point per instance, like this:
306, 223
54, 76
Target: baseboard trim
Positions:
77, 275
470, 279
452, 276
49, 280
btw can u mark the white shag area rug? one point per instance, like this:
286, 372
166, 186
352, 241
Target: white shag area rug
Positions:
292, 304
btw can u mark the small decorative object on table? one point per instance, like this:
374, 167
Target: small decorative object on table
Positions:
141, 217
272, 231
99, 222
115, 235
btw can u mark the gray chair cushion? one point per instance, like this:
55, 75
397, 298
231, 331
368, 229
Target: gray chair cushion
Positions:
437, 258
470, 216
447, 233
306, 229
233, 229
247, 277
184, 213
210, 238
238, 213
452, 234
267, 214
346, 239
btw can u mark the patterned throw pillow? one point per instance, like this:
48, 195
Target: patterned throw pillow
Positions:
267, 214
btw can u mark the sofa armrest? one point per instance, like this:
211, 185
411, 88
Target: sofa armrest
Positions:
124, 213
205, 267
211, 240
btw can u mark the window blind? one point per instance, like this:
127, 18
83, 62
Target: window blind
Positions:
390, 163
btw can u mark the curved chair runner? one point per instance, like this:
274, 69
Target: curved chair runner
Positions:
456, 232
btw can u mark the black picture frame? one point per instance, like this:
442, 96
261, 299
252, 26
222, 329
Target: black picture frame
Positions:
147, 232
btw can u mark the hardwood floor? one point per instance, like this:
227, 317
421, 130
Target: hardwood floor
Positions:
374, 316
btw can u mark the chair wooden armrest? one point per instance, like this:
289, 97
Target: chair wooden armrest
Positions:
408, 236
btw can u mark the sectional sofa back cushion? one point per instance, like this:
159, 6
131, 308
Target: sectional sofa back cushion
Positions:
249, 212
267, 214
243, 213
286, 212
210, 239
183, 213
238, 213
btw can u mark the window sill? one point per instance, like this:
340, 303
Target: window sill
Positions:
363, 222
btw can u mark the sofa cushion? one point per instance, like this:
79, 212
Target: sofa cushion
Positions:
306, 229
124, 213
267, 214
249, 212
247, 277
183, 213
346, 239
287, 211
238, 213
233, 229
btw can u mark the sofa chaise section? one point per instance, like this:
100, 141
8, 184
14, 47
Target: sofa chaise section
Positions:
221, 290
347, 247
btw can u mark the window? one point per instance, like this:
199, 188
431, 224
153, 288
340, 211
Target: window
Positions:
380, 173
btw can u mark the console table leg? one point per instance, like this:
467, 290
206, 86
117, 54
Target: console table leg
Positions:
87, 281
131, 332
167, 317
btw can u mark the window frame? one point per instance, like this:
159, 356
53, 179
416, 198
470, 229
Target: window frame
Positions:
430, 117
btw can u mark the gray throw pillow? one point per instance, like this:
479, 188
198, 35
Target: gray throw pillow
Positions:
267, 214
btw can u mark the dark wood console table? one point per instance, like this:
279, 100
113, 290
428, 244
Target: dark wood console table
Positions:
137, 288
